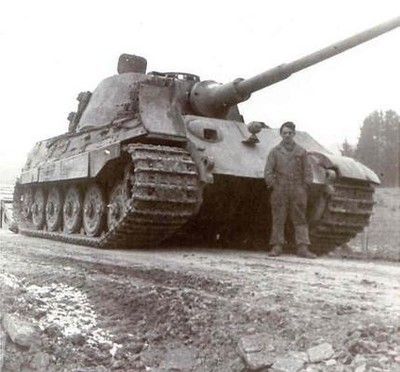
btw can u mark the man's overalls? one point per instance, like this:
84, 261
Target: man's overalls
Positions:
288, 172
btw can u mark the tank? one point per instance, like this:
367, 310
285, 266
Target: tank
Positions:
159, 157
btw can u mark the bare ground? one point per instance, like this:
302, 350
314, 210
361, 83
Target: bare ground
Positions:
161, 310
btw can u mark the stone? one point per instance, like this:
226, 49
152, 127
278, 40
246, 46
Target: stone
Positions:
117, 364
375, 363
383, 360
313, 368
77, 339
341, 368
362, 346
361, 368
299, 355
20, 331
153, 336
381, 337
180, 358
53, 330
256, 351
358, 360
330, 362
40, 361
237, 365
346, 358
320, 352
287, 364
371, 346
135, 347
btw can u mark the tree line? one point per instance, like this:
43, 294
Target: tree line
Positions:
378, 146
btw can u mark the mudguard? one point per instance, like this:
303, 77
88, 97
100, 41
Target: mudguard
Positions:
221, 143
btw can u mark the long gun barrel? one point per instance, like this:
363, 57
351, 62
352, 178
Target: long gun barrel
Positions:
213, 99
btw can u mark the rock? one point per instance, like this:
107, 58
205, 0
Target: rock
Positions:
256, 351
40, 361
330, 362
345, 309
313, 369
383, 360
20, 331
362, 346
117, 364
13, 364
135, 347
53, 330
299, 355
392, 353
153, 336
180, 358
344, 357
370, 345
77, 339
287, 364
320, 352
361, 368
381, 337
358, 360
237, 365
105, 346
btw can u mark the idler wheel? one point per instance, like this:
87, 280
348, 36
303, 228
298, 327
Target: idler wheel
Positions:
94, 207
72, 210
38, 209
117, 204
54, 209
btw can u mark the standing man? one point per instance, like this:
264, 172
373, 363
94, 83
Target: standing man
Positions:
289, 174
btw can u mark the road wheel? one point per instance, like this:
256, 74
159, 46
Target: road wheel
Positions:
94, 207
54, 209
27, 203
38, 208
117, 205
72, 211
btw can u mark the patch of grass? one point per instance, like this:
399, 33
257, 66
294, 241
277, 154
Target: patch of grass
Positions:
381, 239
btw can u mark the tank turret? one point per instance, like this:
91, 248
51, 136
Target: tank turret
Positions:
212, 99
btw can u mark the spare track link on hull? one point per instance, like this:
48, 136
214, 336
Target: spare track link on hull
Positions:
346, 214
165, 194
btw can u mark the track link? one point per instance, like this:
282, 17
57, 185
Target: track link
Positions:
165, 194
346, 214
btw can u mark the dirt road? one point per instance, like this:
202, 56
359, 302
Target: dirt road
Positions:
160, 310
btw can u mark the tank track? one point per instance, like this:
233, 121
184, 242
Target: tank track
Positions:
347, 213
165, 194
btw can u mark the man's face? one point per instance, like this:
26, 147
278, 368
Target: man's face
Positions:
287, 135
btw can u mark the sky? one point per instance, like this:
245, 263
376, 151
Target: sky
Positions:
52, 50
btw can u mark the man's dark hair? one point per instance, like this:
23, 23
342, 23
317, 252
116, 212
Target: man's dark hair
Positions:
288, 124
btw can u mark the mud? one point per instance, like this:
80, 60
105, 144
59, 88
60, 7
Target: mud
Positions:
160, 310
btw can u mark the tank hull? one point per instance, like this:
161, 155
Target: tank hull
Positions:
206, 188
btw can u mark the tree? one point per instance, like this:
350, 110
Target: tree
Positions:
379, 145
347, 149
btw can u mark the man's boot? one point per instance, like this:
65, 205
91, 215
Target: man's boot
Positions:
275, 251
303, 251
